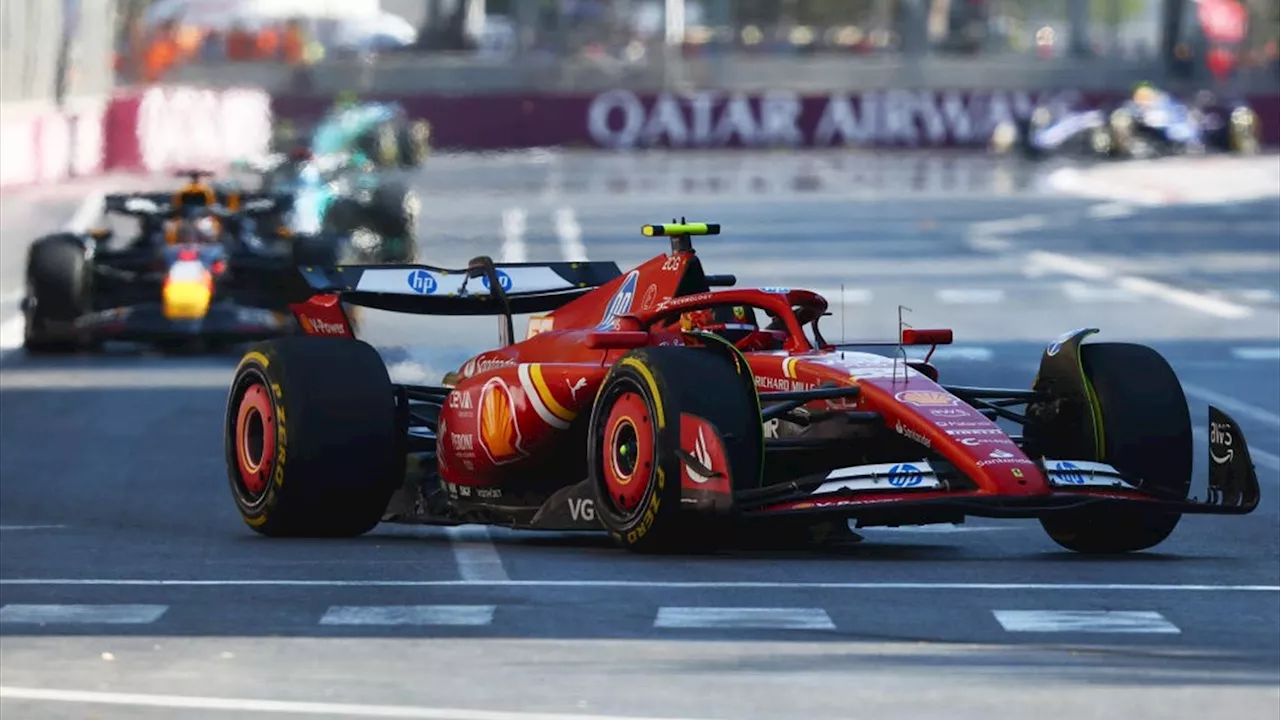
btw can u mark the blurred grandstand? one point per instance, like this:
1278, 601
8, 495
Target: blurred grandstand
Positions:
54, 48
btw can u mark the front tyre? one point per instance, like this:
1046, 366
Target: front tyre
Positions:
656, 405
1147, 433
312, 438
58, 282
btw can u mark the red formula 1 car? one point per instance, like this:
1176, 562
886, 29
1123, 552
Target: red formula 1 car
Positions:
651, 407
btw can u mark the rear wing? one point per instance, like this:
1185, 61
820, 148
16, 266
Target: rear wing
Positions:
483, 288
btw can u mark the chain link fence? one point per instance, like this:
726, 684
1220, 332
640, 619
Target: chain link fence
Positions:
55, 51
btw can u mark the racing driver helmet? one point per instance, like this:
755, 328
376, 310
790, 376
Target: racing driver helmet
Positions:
735, 323
1145, 95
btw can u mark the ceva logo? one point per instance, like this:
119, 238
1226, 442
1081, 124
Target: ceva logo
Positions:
621, 302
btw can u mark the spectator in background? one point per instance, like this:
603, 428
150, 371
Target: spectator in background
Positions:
293, 43
160, 54
267, 43
240, 44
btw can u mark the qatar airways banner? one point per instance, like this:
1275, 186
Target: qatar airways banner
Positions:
623, 120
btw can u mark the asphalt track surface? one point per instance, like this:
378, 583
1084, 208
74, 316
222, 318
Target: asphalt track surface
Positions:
124, 570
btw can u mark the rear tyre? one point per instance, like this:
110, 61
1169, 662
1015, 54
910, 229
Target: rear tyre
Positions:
634, 443
312, 439
1147, 432
58, 276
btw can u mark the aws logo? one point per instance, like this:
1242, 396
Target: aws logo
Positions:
621, 302
498, 428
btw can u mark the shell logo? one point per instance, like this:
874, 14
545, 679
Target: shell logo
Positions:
926, 398
499, 434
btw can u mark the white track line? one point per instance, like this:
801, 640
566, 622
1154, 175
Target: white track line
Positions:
285, 707
623, 584
514, 223
570, 234
970, 296
81, 614
1110, 210
6, 528
385, 615
1065, 264
1256, 353
1081, 621
1232, 405
741, 617
477, 558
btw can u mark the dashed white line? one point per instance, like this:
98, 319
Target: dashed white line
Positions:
1080, 621
640, 584
513, 229
740, 617
386, 615
570, 234
81, 614
1054, 262
4, 528
1232, 405
1086, 293
475, 554
1008, 225
285, 707
970, 296
1110, 211
1256, 353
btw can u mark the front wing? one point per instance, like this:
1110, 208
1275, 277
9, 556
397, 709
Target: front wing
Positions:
933, 489
146, 322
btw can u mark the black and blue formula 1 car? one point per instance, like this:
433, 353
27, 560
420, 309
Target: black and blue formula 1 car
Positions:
1150, 124
195, 274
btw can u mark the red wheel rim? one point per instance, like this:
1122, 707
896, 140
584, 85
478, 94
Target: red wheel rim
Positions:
628, 451
255, 439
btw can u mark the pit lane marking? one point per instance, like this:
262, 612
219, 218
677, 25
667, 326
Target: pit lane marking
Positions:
625, 584
286, 707
81, 614
1082, 621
